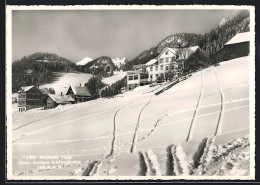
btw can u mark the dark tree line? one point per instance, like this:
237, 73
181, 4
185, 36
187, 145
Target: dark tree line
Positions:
94, 85
38, 69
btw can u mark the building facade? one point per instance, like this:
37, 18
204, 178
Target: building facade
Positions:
166, 61
30, 97
137, 77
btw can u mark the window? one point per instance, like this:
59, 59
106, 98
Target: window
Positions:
151, 68
130, 77
167, 68
156, 68
167, 52
156, 75
161, 67
135, 77
161, 60
167, 59
151, 76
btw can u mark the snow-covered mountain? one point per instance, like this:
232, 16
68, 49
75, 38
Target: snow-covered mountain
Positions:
119, 62
84, 61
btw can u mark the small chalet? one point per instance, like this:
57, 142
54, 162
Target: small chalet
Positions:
236, 47
79, 93
53, 100
30, 97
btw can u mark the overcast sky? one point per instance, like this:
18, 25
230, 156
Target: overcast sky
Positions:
75, 34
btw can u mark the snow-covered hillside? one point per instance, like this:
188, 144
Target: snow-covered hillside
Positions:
62, 81
179, 132
84, 61
119, 62
118, 75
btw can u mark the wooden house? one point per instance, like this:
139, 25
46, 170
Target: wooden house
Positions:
236, 47
79, 93
29, 97
53, 100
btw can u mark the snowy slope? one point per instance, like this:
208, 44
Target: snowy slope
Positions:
90, 131
84, 61
116, 77
62, 81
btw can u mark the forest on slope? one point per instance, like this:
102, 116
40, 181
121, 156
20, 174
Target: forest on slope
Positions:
210, 42
37, 69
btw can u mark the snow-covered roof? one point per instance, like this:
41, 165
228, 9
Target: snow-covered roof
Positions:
151, 62
194, 48
44, 90
80, 90
183, 53
241, 37
173, 50
26, 88
61, 98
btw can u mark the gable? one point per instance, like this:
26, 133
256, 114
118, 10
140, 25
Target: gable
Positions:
70, 91
167, 52
34, 90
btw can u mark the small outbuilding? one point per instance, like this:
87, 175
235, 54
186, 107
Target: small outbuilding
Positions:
53, 100
236, 47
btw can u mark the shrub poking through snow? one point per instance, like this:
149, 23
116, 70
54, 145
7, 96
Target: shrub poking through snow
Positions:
198, 154
154, 161
92, 166
183, 162
176, 163
149, 165
143, 167
169, 162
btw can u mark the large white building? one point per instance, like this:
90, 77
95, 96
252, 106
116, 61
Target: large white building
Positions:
170, 59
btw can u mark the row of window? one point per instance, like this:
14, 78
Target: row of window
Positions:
133, 77
156, 75
22, 109
167, 59
161, 68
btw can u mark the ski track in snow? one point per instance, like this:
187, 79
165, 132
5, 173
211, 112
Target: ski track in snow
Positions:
222, 106
151, 129
133, 146
196, 110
